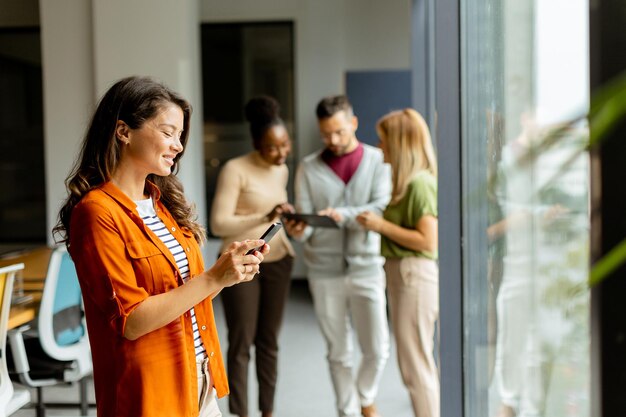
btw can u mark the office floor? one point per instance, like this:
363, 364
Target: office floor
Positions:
304, 388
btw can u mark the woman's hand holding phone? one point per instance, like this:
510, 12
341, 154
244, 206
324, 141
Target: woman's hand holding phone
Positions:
267, 236
234, 267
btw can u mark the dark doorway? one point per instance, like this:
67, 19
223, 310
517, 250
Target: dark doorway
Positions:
22, 175
240, 61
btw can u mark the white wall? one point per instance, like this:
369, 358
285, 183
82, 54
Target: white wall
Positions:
159, 38
68, 91
86, 46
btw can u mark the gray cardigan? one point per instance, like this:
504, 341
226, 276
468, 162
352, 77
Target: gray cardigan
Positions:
350, 249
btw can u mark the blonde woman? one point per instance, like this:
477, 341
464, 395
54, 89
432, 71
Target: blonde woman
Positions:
409, 244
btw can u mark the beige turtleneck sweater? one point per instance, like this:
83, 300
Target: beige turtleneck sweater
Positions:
248, 188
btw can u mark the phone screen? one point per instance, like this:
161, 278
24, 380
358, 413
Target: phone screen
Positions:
267, 235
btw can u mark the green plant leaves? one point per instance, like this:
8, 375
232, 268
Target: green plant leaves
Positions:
608, 109
608, 263
607, 112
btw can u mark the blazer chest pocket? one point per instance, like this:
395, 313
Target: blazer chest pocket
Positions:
150, 266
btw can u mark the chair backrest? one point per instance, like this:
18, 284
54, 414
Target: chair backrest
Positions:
61, 324
7, 276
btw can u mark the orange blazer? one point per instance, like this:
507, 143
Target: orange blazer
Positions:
120, 263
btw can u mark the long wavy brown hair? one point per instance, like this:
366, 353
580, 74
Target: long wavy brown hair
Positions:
409, 146
133, 100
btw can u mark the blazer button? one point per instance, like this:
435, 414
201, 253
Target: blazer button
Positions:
212, 354
203, 327
173, 229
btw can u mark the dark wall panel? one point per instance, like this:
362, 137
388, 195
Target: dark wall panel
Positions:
375, 93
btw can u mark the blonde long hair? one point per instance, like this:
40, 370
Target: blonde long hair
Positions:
408, 146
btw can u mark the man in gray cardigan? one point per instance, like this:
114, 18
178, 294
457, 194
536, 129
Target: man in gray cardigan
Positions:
345, 271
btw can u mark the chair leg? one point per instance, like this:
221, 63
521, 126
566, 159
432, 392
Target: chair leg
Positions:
41, 407
84, 404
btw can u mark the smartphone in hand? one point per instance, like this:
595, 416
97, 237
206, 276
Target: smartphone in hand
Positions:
267, 235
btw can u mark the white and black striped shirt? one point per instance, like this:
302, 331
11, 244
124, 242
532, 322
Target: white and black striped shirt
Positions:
145, 208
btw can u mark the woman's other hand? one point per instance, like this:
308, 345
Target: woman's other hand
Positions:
279, 210
332, 213
294, 228
370, 221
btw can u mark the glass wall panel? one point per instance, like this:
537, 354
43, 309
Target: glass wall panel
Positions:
525, 209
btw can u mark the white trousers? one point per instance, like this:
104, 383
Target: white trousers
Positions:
342, 304
207, 397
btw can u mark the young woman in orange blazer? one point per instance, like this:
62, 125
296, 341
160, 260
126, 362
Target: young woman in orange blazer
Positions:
135, 242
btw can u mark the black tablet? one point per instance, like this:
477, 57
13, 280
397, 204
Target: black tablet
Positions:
314, 220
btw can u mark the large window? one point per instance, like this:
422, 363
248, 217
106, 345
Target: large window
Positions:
525, 207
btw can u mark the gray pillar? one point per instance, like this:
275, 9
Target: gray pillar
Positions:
448, 128
68, 91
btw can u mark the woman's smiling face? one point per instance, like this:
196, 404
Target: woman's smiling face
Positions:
153, 147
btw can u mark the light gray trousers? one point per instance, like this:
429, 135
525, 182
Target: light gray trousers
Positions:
344, 306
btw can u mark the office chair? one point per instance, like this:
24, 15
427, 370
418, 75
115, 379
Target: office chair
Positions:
56, 351
11, 398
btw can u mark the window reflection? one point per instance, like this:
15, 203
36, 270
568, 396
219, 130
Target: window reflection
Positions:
526, 208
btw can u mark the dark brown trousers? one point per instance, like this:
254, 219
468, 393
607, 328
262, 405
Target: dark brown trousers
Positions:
254, 314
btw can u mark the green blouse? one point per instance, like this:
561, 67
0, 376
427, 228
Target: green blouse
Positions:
420, 200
